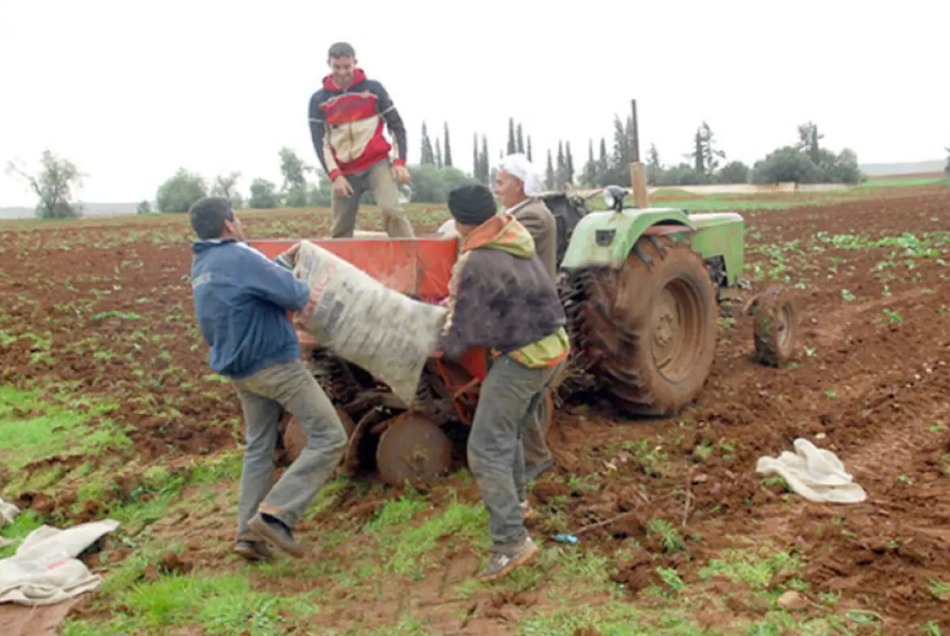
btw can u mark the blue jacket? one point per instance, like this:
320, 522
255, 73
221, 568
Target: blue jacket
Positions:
241, 301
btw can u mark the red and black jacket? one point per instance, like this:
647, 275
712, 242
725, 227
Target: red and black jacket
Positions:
346, 125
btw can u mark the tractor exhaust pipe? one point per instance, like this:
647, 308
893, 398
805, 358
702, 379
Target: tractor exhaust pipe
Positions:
637, 173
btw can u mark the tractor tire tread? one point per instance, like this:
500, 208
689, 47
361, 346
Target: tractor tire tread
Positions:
609, 314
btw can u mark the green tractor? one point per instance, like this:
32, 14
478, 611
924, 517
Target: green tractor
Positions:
642, 289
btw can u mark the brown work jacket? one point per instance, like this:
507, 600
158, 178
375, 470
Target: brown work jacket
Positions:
535, 216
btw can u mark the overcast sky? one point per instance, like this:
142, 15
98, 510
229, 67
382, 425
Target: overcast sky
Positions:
131, 90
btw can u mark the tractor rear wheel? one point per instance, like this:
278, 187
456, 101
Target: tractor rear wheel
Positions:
649, 328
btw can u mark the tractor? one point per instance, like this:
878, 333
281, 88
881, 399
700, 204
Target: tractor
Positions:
641, 288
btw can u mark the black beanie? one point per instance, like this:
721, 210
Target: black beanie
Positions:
472, 204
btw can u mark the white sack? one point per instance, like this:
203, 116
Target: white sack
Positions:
44, 570
365, 322
816, 474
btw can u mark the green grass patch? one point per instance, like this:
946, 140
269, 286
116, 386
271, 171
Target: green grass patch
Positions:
34, 426
397, 512
927, 245
411, 548
225, 605
907, 182
755, 568
616, 618
714, 204
24, 523
224, 467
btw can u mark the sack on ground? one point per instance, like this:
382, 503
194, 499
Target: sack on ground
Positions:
45, 569
365, 322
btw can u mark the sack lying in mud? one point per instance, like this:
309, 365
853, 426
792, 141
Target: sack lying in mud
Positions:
365, 322
814, 473
45, 570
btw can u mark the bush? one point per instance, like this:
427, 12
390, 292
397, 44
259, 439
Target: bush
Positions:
681, 175
431, 184
792, 164
786, 164
263, 195
734, 172
296, 197
842, 168
179, 192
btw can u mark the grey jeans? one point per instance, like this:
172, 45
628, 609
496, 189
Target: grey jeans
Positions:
285, 386
537, 455
508, 402
380, 181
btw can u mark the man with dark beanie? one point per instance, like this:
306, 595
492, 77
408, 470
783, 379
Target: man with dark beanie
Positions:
502, 299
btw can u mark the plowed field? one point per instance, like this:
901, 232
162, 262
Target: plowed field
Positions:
108, 409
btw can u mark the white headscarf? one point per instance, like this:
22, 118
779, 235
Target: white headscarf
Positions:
518, 166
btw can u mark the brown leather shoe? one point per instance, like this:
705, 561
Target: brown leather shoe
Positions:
252, 550
272, 529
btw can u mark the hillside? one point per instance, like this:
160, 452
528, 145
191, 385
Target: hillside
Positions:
88, 209
914, 167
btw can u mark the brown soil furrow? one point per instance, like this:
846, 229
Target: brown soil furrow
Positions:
106, 306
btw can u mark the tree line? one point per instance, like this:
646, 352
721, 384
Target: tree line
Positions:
804, 160
435, 174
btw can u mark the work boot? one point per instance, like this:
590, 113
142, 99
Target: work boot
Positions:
275, 531
535, 471
501, 564
252, 550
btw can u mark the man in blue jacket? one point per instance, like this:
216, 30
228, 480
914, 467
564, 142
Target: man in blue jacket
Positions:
241, 302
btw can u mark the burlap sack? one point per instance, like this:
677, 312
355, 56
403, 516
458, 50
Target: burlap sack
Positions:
365, 322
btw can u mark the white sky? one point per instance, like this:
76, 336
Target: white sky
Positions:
131, 90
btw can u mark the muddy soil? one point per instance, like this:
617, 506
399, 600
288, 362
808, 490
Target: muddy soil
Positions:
108, 308
872, 388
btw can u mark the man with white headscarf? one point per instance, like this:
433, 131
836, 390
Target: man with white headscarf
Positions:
518, 187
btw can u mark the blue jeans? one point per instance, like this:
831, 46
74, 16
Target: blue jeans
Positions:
508, 402
285, 386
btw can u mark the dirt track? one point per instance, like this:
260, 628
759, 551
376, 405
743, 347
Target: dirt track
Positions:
871, 382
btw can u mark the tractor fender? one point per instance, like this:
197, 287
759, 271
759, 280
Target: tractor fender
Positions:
607, 238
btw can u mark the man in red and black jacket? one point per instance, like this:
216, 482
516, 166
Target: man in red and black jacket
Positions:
347, 116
